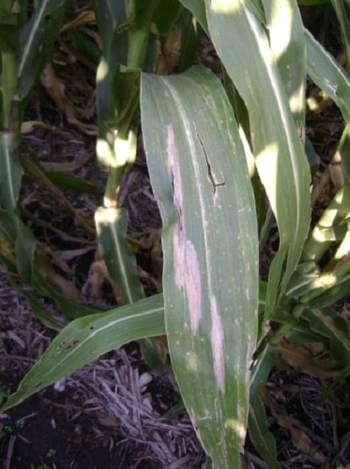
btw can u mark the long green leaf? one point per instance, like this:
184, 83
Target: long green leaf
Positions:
116, 95
258, 429
343, 149
87, 338
37, 40
210, 279
121, 263
344, 20
287, 42
260, 434
10, 172
243, 46
328, 74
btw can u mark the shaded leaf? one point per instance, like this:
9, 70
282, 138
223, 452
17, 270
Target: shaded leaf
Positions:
328, 74
260, 434
10, 171
87, 338
111, 226
37, 40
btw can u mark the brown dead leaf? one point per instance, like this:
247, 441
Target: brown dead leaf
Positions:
85, 17
36, 172
168, 53
98, 274
55, 88
301, 440
301, 436
49, 269
300, 357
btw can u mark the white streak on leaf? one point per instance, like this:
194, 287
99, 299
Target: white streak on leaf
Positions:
188, 276
178, 246
193, 285
217, 344
174, 167
187, 272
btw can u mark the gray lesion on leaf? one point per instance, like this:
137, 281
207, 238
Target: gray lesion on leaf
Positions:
213, 178
187, 269
217, 344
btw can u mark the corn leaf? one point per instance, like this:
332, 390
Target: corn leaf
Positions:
244, 49
326, 73
37, 40
260, 434
116, 96
287, 42
87, 338
197, 8
10, 172
344, 151
210, 279
111, 226
258, 429
342, 12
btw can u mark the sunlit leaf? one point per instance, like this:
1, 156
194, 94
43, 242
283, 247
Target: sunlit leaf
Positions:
286, 34
244, 49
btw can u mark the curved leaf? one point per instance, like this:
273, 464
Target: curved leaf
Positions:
87, 338
328, 74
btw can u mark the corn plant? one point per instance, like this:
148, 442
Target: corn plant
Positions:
210, 148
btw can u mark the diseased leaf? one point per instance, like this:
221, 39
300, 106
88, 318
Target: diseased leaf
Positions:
210, 279
244, 49
87, 338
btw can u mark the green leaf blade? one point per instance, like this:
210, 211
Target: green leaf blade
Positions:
10, 172
111, 226
243, 46
326, 73
210, 246
288, 49
37, 41
87, 338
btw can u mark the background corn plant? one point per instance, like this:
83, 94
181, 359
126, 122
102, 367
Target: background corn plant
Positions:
211, 146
